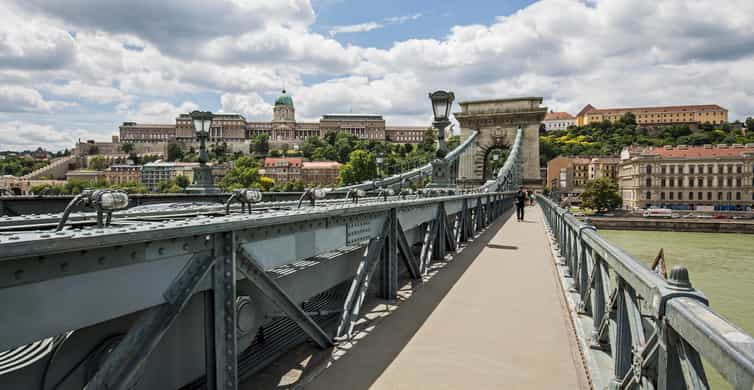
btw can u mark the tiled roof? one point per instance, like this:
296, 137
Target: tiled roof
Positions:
702, 151
321, 164
587, 108
636, 110
292, 161
554, 116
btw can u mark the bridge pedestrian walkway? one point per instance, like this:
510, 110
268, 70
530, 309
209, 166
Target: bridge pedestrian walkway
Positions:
502, 325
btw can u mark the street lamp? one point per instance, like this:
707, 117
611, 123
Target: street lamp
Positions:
380, 158
441, 103
202, 182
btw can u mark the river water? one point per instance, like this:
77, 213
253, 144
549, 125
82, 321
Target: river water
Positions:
721, 265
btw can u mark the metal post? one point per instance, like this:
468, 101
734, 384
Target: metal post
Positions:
389, 264
224, 301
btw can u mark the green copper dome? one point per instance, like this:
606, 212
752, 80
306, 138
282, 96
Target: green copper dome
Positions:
284, 100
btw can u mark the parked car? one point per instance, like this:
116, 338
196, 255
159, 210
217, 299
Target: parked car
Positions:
658, 213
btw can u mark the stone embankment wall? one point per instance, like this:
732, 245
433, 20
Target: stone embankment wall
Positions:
675, 224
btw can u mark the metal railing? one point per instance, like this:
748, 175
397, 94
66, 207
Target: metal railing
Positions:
656, 331
414, 174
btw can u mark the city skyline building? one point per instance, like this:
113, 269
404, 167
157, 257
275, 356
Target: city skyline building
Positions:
706, 177
234, 130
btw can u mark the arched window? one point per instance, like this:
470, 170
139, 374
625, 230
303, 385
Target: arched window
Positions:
649, 182
649, 195
649, 169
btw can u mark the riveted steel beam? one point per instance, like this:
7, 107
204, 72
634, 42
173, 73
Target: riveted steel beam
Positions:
252, 271
121, 369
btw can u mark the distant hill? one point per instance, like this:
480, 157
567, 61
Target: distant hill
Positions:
606, 138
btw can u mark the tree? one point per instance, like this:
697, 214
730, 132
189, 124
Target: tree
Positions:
749, 124
453, 142
266, 183
97, 163
127, 147
601, 195
361, 166
175, 152
260, 144
244, 174
169, 187
428, 142
628, 118
182, 181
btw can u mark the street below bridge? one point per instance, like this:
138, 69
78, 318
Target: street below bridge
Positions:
492, 318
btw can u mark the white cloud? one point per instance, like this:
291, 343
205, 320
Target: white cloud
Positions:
403, 19
15, 98
354, 28
159, 112
94, 93
252, 106
369, 26
606, 52
20, 135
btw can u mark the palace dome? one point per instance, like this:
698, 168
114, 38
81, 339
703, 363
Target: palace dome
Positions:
284, 100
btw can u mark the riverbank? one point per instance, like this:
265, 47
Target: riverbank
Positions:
674, 224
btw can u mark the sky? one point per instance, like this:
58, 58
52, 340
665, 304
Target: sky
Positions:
77, 69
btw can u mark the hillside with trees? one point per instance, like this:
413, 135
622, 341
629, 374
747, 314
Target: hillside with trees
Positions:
606, 138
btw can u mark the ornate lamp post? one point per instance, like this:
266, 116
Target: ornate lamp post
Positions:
203, 182
380, 159
441, 103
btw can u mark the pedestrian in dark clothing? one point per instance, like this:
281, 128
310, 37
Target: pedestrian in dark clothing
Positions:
520, 203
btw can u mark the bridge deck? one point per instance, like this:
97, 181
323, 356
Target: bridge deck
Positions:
503, 324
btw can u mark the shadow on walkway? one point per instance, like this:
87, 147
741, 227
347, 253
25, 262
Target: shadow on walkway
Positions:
367, 360
377, 342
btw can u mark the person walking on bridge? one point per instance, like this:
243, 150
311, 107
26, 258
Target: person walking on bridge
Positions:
520, 203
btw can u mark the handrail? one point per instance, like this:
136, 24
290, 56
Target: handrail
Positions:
644, 320
413, 174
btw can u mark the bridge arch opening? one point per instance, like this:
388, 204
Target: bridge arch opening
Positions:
494, 158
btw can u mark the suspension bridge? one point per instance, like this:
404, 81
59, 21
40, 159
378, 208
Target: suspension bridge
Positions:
367, 286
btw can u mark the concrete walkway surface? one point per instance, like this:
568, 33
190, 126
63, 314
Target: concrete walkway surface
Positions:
495, 318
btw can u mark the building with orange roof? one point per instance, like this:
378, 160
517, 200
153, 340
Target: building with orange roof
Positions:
325, 173
558, 121
704, 177
569, 175
654, 116
283, 169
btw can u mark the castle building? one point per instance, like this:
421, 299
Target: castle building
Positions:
654, 116
558, 121
236, 131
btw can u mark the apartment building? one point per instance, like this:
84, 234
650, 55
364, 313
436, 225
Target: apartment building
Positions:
705, 177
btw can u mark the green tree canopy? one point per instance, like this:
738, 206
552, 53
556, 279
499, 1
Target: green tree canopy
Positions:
175, 153
361, 166
182, 181
260, 144
244, 174
127, 147
601, 194
97, 163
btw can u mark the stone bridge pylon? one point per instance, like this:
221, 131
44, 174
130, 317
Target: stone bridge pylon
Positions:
497, 121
